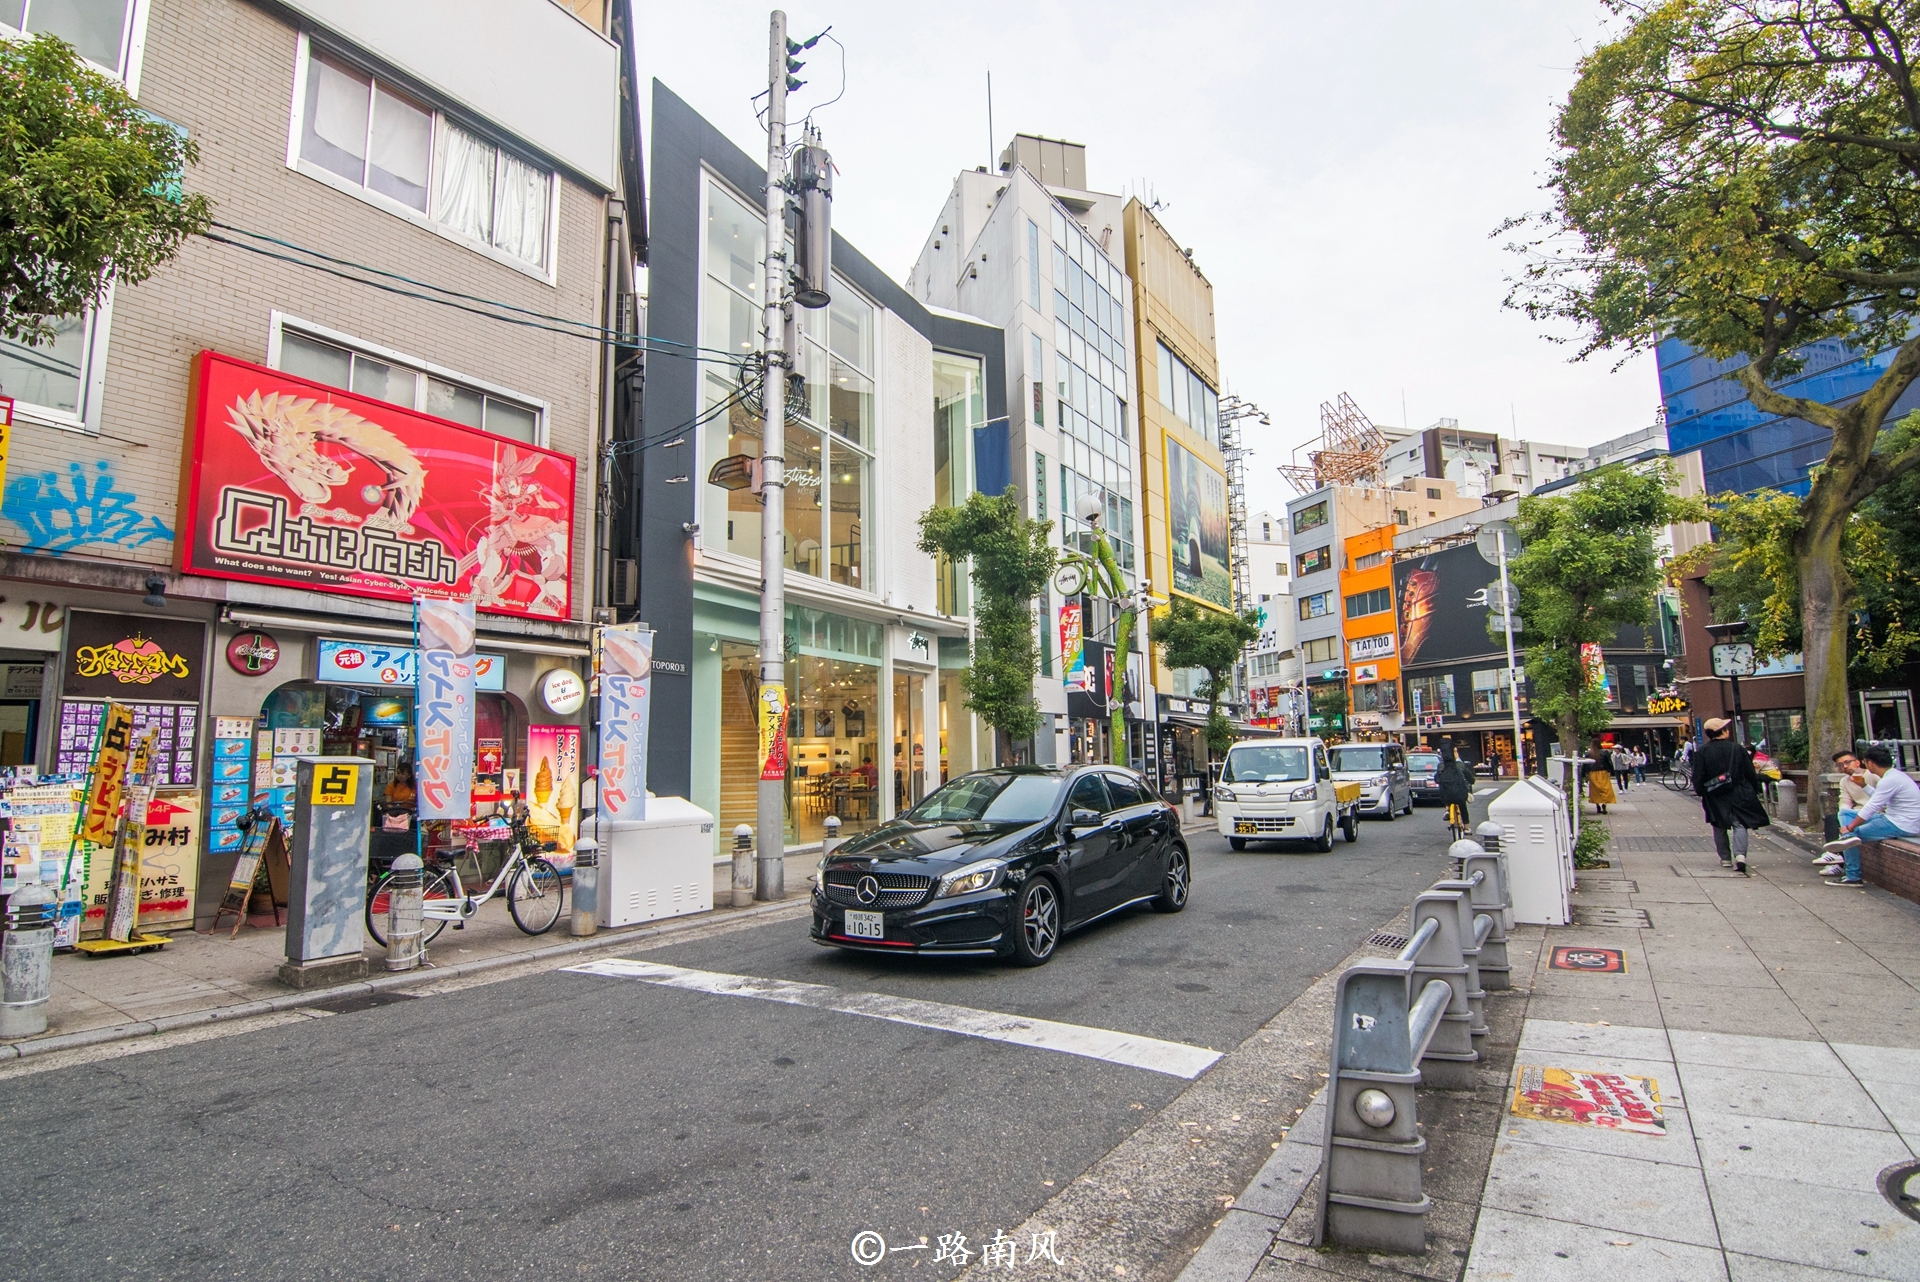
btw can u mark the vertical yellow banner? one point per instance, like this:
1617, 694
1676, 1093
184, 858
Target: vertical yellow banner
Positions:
773, 732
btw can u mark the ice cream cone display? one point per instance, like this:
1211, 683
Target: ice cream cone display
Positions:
553, 793
542, 782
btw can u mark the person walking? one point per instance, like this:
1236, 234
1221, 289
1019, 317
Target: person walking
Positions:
1892, 811
1639, 766
1729, 790
1600, 780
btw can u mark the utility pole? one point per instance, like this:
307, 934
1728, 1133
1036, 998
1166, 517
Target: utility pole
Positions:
1513, 673
771, 812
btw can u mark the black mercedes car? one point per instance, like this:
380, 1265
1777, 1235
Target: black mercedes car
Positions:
1002, 863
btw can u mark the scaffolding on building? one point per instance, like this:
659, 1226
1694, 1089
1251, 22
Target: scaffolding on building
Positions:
1349, 451
1236, 414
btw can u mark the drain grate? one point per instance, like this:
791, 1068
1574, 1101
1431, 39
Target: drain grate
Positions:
1386, 939
1606, 886
1607, 915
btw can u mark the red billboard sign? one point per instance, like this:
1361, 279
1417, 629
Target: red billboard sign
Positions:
298, 484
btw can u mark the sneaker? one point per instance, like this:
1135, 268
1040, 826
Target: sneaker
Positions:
1726, 863
1844, 843
1841, 881
1740, 865
1837, 870
1831, 857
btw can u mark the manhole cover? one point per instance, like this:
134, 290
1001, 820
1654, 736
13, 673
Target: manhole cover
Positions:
1607, 915
1386, 940
1900, 1185
1606, 886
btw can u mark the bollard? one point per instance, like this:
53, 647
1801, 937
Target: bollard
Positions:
743, 867
1491, 836
1470, 953
1787, 803
1450, 1059
26, 960
406, 926
1488, 897
770, 866
586, 887
1371, 1195
832, 840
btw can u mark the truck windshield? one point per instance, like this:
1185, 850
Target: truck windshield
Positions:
1262, 763
1370, 757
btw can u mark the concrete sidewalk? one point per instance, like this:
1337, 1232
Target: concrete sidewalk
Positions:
1781, 1019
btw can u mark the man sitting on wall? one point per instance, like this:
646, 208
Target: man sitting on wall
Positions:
1855, 789
1892, 811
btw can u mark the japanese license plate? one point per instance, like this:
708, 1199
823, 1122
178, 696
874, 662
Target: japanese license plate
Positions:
866, 925
1243, 826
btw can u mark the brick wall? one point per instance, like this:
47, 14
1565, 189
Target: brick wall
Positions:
1892, 865
224, 69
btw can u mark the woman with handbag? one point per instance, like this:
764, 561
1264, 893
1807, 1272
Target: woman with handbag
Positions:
1729, 790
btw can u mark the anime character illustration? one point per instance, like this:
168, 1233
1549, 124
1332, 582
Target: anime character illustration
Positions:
521, 540
287, 431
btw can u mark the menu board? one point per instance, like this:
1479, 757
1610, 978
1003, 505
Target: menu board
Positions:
176, 729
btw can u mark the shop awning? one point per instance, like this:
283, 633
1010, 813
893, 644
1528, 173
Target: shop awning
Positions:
1648, 723
388, 632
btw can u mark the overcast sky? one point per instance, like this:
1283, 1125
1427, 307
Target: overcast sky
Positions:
1336, 170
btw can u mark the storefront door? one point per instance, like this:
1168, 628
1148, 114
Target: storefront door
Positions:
909, 740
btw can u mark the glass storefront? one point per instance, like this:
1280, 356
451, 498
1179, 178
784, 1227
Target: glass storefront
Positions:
909, 740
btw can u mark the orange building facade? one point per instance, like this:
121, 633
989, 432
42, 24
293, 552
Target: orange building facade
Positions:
1370, 635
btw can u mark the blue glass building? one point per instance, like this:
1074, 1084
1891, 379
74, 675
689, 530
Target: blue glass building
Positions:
1742, 449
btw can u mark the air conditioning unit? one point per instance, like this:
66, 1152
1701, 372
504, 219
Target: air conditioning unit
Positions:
624, 587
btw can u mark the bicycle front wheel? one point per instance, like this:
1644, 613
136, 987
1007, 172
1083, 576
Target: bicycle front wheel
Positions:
438, 883
534, 897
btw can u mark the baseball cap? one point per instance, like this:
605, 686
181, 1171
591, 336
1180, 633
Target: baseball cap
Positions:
1714, 725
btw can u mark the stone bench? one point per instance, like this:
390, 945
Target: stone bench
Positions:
1893, 865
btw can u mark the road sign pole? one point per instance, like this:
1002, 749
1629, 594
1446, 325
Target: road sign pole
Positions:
1513, 677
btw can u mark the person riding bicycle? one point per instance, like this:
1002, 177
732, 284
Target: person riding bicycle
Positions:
1456, 787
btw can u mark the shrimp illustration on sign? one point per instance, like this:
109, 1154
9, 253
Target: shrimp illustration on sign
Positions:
520, 540
287, 432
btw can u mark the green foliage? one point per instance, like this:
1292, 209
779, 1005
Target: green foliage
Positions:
1012, 557
1590, 848
1193, 637
89, 187
1329, 703
1588, 567
1792, 747
1739, 175
1755, 575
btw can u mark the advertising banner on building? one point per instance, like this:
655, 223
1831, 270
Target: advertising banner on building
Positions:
132, 657
773, 732
443, 709
1197, 527
626, 702
1073, 649
169, 865
108, 777
553, 789
298, 484
364, 663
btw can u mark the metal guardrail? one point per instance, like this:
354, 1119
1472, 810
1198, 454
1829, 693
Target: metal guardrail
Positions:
1418, 1019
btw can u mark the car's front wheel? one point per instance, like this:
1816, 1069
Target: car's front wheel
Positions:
1325, 842
1177, 883
1036, 926
1237, 843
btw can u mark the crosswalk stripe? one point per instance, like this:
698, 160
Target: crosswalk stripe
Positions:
1173, 1058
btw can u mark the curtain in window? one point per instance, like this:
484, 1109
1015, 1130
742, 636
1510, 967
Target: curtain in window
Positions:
336, 132
464, 197
401, 151
521, 228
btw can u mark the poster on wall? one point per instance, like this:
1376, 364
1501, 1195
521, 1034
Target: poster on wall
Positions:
1197, 527
443, 709
553, 788
626, 689
295, 483
169, 865
1073, 650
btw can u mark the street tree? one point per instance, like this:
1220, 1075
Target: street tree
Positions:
89, 188
1012, 556
1589, 566
1744, 175
1210, 640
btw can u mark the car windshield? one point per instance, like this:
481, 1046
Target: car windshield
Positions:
1370, 757
1264, 763
991, 798
1423, 761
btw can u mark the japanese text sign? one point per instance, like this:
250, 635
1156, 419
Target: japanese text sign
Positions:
1073, 650
365, 663
626, 696
335, 785
293, 482
443, 709
773, 731
108, 777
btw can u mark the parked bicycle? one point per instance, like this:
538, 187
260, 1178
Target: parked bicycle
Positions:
530, 882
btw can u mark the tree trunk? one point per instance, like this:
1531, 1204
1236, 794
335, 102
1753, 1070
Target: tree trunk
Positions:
1567, 727
1824, 595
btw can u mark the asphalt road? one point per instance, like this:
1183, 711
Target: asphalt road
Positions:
588, 1126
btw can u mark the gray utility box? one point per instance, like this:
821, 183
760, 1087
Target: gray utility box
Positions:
332, 826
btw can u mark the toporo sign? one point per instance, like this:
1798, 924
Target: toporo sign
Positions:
299, 484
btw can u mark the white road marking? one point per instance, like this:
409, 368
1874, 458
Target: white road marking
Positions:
1173, 1058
